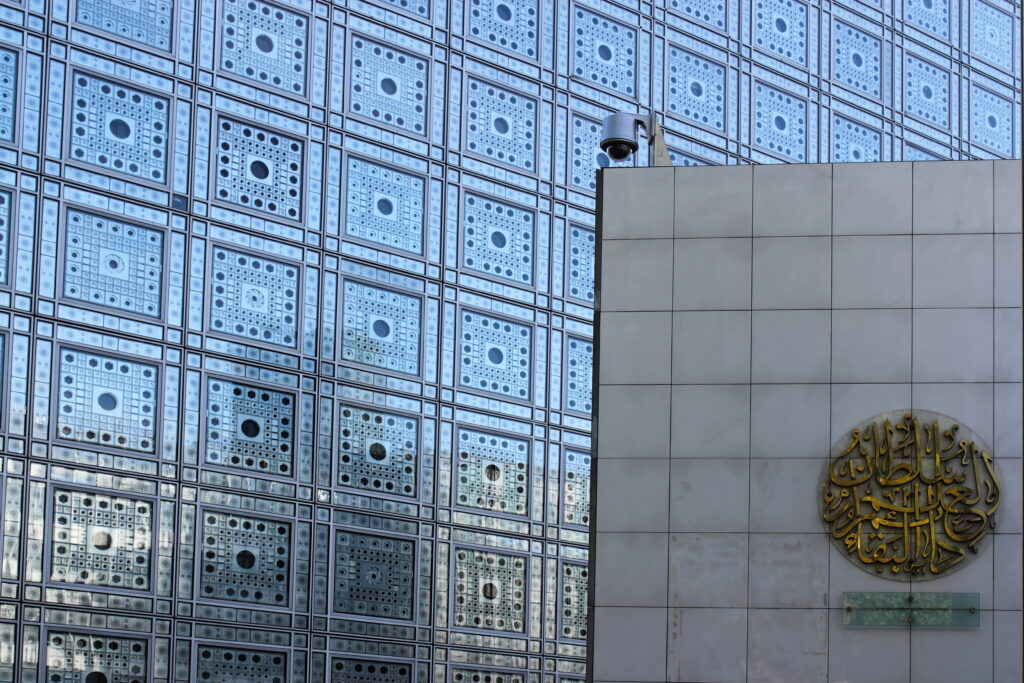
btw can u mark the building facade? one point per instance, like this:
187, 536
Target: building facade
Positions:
801, 370
296, 303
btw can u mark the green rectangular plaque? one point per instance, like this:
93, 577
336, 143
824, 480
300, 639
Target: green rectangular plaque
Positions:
912, 610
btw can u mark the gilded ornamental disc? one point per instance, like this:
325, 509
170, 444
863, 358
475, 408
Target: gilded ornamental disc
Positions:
910, 494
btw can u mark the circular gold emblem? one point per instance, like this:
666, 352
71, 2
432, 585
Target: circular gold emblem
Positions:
908, 494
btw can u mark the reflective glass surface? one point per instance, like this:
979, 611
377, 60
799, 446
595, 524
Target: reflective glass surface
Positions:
296, 303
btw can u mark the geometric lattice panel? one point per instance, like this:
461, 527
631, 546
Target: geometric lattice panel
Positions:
8, 93
711, 12
931, 15
381, 328
494, 355
145, 21
240, 666
490, 590
854, 142
5, 233
926, 91
579, 390
992, 35
501, 125
576, 495
573, 611
107, 401
264, 43
249, 428
74, 657
481, 676
604, 52
509, 25
780, 27
492, 472
780, 122
119, 128
374, 575
586, 134
244, 559
254, 297
420, 8
384, 205
259, 169
497, 239
388, 85
857, 59
377, 451
696, 88
369, 671
115, 264
991, 121
581, 263
101, 540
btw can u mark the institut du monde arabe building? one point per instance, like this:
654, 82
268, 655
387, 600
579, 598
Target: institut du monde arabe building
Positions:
297, 306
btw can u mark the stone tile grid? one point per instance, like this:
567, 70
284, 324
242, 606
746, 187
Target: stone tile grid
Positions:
971, 397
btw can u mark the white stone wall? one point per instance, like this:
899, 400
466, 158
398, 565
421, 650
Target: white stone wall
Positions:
749, 316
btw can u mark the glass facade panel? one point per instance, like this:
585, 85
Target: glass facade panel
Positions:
296, 303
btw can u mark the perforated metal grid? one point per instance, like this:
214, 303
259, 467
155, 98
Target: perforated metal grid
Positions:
780, 27
8, 92
989, 28
495, 355
576, 489
579, 382
492, 472
497, 239
384, 205
119, 128
857, 59
381, 327
348, 670
463, 675
264, 43
107, 401
237, 665
581, 263
490, 590
501, 124
377, 450
926, 89
5, 233
991, 120
374, 576
696, 88
101, 540
244, 559
145, 21
249, 428
780, 122
854, 142
76, 657
931, 15
508, 25
259, 169
388, 85
254, 297
111, 263
710, 12
573, 614
604, 52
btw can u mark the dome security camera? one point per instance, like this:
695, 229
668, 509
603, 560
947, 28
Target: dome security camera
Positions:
619, 137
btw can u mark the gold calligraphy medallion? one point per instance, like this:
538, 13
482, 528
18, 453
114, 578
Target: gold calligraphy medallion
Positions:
910, 494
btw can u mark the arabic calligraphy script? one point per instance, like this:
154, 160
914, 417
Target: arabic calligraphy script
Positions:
908, 494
